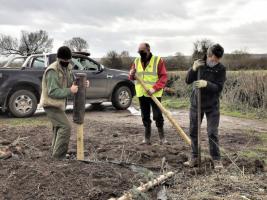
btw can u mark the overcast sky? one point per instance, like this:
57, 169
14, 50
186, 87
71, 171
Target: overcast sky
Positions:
169, 26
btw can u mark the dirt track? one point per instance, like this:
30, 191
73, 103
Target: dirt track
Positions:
112, 135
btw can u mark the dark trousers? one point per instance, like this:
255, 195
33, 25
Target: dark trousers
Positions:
145, 104
213, 118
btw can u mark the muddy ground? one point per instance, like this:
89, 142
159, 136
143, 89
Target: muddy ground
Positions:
119, 162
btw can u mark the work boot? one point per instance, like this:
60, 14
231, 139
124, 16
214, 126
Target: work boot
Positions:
147, 135
193, 162
161, 136
217, 165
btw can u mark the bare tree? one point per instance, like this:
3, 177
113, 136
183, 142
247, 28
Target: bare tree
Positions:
8, 45
125, 54
112, 59
239, 59
181, 61
200, 48
126, 59
77, 44
30, 43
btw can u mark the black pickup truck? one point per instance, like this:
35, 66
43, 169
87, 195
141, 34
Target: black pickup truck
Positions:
20, 85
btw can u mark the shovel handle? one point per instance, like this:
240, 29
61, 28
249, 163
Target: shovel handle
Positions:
166, 113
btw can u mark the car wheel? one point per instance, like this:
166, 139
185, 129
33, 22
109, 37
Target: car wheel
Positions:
22, 103
122, 98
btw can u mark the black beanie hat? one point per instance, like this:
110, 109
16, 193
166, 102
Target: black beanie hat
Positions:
64, 53
217, 50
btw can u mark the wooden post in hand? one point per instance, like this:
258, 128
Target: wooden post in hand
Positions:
166, 113
79, 111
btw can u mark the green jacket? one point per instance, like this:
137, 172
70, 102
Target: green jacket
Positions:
56, 85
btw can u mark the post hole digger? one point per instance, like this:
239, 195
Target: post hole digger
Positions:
198, 64
199, 120
79, 111
199, 111
166, 113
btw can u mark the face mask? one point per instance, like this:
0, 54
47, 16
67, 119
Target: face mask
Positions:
211, 63
143, 55
64, 64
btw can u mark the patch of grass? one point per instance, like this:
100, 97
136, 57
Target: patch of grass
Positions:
258, 151
176, 103
255, 154
235, 112
33, 121
263, 137
249, 154
169, 102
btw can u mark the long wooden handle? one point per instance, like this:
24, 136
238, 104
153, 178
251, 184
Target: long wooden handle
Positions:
199, 120
166, 113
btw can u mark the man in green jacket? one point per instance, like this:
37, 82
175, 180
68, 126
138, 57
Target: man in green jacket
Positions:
57, 85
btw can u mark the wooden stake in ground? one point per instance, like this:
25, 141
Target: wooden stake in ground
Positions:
147, 186
79, 111
166, 113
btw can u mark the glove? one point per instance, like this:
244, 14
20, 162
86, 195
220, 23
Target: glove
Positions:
198, 63
151, 91
200, 84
